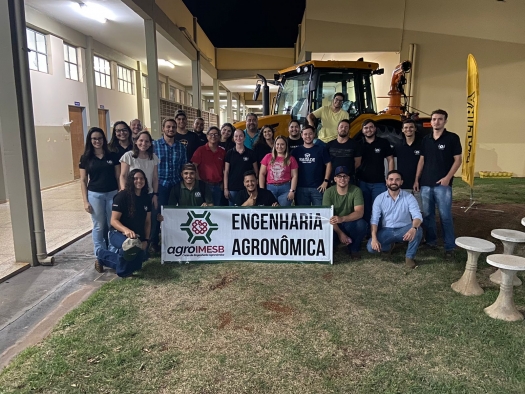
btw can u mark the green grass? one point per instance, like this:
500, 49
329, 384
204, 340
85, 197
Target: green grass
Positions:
492, 191
365, 327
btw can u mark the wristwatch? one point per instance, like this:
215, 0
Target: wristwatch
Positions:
415, 228
327, 180
293, 191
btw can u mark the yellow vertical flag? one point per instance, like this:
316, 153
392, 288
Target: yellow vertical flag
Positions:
469, 154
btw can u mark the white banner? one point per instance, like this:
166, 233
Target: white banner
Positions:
247, 234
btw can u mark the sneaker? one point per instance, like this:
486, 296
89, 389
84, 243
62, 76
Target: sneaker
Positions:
410, 263
449, 255
99, 267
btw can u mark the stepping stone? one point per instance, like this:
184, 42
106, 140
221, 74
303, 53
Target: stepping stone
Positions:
509, 239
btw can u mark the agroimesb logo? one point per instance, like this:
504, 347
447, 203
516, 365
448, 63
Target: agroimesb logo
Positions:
199, 227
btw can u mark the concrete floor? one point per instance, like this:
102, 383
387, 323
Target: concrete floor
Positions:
64, 220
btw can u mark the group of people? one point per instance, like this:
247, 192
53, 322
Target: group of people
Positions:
228, 166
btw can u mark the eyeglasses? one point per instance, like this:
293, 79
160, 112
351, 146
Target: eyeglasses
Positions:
121, 131
97, 139
338, 100
342, 176
212, 135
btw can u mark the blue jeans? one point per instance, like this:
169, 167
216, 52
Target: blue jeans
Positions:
387, 236
101, 204
280, 192
162, 199
216, 193
370, 192
442, 197
233, 194
355, 230
309, 196
116, 261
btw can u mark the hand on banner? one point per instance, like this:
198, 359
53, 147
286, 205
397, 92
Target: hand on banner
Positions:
275, 204
336, 220
160, 218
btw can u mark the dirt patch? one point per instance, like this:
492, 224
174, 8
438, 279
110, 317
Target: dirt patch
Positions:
225, 319
328, 276
480, 220
277, 307
224, 281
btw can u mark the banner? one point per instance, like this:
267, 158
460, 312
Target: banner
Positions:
247, 234
469, 156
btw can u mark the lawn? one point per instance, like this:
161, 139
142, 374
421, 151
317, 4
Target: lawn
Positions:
354, 327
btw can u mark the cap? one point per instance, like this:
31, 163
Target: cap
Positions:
131, 248
342, 170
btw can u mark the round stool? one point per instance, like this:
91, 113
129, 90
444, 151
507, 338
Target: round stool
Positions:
504, 307
509, 239
468, 284
523, 221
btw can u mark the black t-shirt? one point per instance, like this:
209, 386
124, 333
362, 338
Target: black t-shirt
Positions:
260, 151
120, 150
292, 144
407, 159
439, 157
265, 198
202, 137
101, 172
343, 154
190, 140
372, 169
312, 165
227, 145
239, 164
142, 207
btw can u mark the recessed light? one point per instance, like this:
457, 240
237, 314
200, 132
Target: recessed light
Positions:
94, 11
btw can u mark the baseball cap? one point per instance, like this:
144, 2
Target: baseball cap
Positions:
131, 248
342, 170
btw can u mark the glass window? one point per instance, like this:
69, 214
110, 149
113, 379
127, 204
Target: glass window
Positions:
102, 72
145, 86
335, 82
172, 94
293, 97
125, 80
71, 62
162, 89
36, 43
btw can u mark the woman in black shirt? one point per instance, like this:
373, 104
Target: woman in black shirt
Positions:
226, 141
99, 174
121, 139
264, 143
130, 219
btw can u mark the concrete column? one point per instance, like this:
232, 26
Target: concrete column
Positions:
217, 100
167, 88
153, 77
238, 111
3, 190
196, 82
229, 112
140, 88
90, 84
12, 125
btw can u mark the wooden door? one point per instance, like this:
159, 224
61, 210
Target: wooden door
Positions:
76, 129
103, 120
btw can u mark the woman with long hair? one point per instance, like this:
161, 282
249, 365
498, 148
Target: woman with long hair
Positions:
264, 143
142, 157
130, 227
280, 171
121, 140
99, 174
237, 161
226, 140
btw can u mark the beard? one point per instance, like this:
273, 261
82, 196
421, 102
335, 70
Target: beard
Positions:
393, 187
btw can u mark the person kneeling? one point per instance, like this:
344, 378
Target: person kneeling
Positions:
349, 208
130, 227
400, 218
253, 195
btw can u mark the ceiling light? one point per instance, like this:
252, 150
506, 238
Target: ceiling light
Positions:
166, 63
94, 11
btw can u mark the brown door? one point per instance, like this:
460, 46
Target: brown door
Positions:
103, 120
77, 137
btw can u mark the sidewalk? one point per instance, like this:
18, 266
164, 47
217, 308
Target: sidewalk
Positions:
64, 220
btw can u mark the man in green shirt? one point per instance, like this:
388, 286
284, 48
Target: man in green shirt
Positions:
190, 192
348, 204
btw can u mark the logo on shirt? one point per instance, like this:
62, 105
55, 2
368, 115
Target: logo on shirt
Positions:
146, 208
199, 227
307, 158
197, 194
417, 153
441, 146
245, 158
184, 142
110, 162
378, 150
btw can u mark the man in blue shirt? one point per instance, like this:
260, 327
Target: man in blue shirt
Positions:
251, 132
400, 218
172, 155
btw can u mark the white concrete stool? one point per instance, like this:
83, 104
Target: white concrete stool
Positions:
523, 221
504, 308
509, 239
468, 284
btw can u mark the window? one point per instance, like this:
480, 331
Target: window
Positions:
71, 62
36, 42
125, 80
162, 89
145, 86
102, 72
190, 99
172, 94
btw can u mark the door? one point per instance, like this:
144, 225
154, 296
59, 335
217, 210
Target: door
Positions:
76, 130
103, 120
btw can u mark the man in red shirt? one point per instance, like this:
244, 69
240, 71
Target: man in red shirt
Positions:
209, 160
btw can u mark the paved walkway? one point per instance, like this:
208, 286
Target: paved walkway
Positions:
64, 220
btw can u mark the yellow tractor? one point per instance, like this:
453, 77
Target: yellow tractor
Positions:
307, 86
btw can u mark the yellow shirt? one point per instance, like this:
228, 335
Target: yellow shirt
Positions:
330, 120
